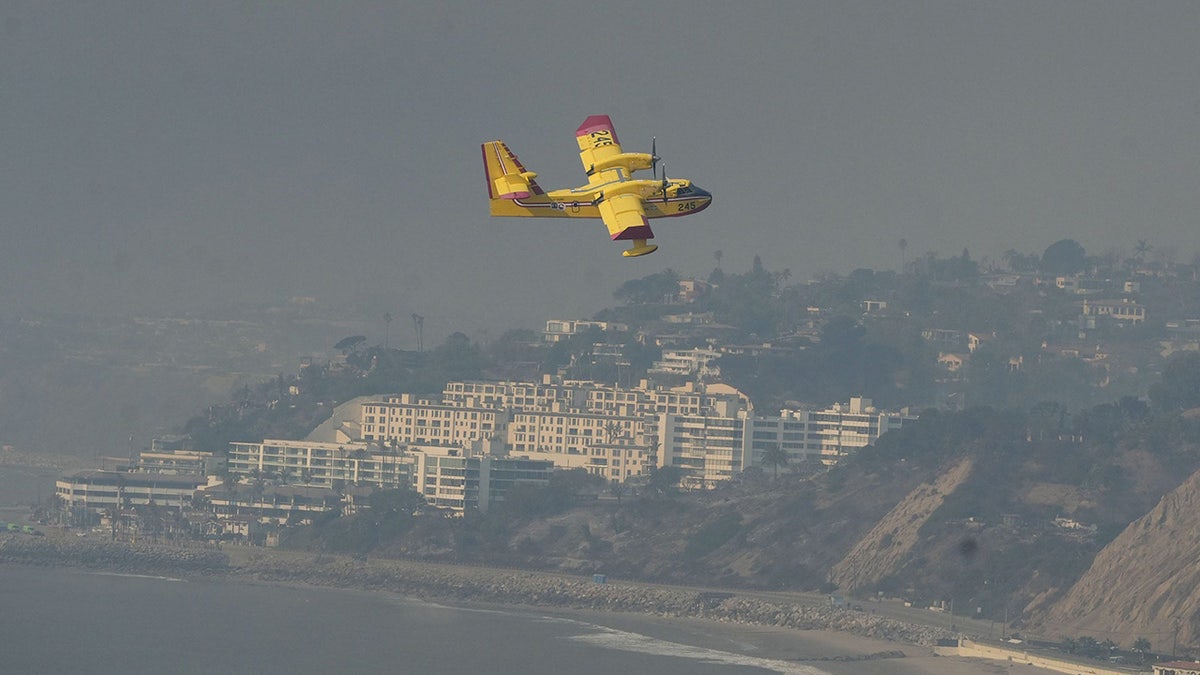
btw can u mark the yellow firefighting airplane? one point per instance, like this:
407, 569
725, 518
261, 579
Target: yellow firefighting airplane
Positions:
623, 202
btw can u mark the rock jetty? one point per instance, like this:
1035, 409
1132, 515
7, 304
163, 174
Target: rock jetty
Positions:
110, 556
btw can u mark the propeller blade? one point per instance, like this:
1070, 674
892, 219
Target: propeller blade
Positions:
664, 183
654, 155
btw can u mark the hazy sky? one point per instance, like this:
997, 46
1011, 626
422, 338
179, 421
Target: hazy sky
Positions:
166, 157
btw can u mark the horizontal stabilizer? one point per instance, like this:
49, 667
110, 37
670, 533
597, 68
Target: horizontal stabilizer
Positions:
507, 178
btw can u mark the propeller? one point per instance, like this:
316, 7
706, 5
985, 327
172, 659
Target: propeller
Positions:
665, 183
654, 156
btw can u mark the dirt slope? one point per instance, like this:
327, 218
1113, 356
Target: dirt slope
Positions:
1144, 582
890, 543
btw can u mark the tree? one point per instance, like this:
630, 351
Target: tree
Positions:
397, 501
1142, 248
775, 456
1142, 647
1020, 262
651, 289
349, 344
1180, 385
1065, 256
612, 430
664, 479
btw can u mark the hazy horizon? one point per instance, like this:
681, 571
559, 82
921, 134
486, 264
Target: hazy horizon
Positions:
173, 158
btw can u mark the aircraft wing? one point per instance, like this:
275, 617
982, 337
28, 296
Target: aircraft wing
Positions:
597, 142
625, 217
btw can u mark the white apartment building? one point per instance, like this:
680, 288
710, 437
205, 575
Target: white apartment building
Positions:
458, 481
616, 463
710, 431
103, 490
407, 419
825, 435
695, 361
176, 462
507, 395
449, 477
321, 464
707, 448
1122, 312
604, 429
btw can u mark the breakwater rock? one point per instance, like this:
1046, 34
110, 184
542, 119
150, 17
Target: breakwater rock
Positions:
110, 556
514, 587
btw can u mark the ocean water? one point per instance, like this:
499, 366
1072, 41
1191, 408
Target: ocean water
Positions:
74, 621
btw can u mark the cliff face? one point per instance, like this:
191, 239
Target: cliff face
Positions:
1145, 582
890, 543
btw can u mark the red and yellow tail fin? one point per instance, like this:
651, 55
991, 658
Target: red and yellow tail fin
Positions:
512, 190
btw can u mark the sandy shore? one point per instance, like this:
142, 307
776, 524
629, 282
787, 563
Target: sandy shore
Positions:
832, 652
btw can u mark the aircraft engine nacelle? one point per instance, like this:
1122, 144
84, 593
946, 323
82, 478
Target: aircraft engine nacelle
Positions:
514, 185
630, 161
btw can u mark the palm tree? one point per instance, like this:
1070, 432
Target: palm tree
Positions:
387, 320
775, 456
1141, 249
612, 429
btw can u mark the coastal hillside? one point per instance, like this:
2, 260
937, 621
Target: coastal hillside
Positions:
893, 539
1145, 582
984, 511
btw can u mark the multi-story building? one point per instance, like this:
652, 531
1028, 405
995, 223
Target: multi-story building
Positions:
408, 419
825, 435
609, 431
695, 361
708, 448
321, 464
462, 480
558, 330
615, 462
1123, 312
178, 462
709, 431
104, 490
448, 476
272, 504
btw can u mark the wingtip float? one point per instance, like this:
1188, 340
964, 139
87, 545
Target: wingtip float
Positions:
625, 204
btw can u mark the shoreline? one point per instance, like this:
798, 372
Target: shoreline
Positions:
836, 641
